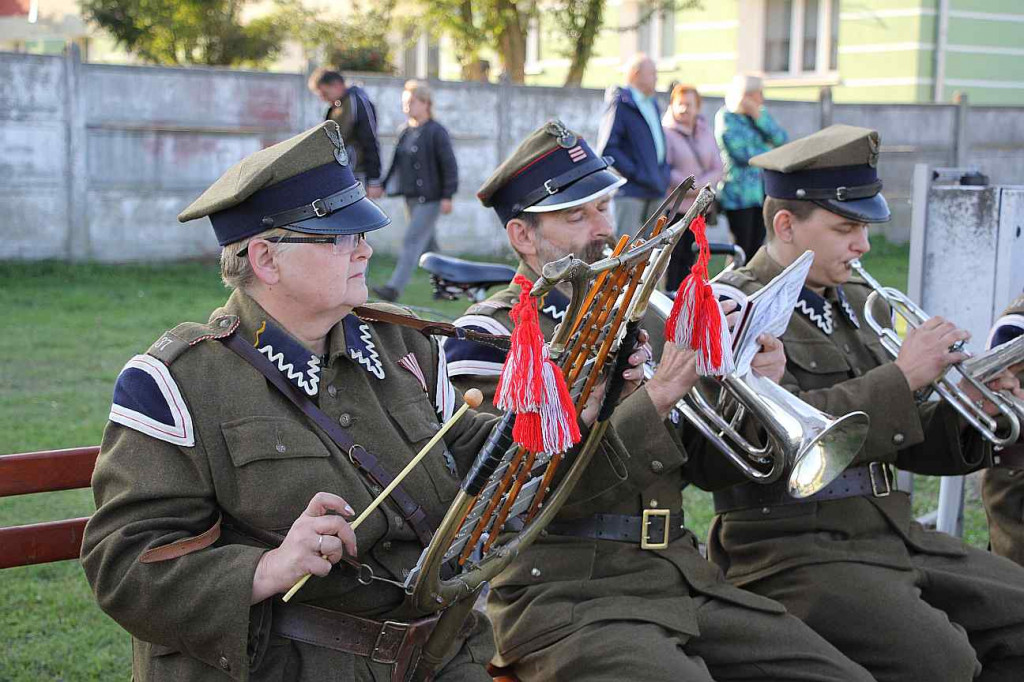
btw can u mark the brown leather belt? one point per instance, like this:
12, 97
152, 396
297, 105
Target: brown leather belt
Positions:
1010, 457
875, 479
388, 642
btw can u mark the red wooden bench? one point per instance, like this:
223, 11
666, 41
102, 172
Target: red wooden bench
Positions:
39, 472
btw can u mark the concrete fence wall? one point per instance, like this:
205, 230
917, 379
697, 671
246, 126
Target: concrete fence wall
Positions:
97, 160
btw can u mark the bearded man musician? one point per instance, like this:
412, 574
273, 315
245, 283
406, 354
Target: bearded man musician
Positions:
593, 600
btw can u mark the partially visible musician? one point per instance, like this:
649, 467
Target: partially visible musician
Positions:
850, 561
1002, 488
588, 601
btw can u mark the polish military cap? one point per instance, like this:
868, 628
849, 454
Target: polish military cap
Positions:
304, 184
554, 168
836, 168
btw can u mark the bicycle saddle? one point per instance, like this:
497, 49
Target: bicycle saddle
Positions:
466, 273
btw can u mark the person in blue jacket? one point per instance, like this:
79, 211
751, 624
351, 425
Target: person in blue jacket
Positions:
632, 135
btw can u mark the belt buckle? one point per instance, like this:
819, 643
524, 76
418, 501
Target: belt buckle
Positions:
403, 628
885, 478
551, 190
319, 208
648, 515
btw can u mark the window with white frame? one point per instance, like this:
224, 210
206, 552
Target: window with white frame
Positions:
656, 35
801, 36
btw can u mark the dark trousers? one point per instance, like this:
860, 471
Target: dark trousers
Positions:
947, 618
747, 227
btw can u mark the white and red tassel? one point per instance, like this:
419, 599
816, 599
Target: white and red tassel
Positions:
532, 386
696, 321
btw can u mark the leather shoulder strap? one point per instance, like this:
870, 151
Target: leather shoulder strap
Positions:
359, 455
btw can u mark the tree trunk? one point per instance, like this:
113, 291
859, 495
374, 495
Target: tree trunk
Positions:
512, 40
585, 44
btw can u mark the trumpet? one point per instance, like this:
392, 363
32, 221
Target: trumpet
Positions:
807, 445
914, 316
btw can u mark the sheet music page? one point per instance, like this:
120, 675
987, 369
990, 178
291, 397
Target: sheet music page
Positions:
768, 310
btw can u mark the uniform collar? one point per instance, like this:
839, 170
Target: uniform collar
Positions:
815, 307
553, 304
296, 362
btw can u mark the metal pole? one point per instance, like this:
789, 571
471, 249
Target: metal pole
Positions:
824, 107
961, 146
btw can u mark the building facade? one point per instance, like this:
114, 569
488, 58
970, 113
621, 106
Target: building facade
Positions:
910, 51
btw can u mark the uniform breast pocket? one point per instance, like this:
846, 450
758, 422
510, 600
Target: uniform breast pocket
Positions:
417, 422
279, 465
816, 365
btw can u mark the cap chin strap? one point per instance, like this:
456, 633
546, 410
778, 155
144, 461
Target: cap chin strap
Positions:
559, 182
840, 193
318, 208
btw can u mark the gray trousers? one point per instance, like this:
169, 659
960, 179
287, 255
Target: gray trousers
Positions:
419, 237
631, 212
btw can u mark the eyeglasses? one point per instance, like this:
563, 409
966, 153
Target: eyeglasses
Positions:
342, 243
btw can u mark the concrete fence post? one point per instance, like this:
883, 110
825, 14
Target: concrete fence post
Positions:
961, 146
76, 178
504, 116
824, 107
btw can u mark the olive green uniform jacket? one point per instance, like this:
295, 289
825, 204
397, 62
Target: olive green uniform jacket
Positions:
562, 584
1003, 489
254, 461
838, 373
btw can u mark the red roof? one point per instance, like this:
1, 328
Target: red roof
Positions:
13, 8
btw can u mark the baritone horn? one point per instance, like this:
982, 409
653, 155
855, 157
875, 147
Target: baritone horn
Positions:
901, 305
811, 448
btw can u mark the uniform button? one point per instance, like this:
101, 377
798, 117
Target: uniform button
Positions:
814, 364
898, 439
415, 148
857, 371
657, 467
399, 521
846, 347
654, 504
224, 663
386, 546
419, 183
766, 510
281, 448
332, 391
416, 166
535, 572
345, 420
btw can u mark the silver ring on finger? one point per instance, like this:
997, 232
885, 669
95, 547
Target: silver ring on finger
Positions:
320, 544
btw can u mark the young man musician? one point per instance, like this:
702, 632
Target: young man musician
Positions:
850, 561
593, 600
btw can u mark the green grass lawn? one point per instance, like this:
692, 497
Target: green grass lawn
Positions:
68, 331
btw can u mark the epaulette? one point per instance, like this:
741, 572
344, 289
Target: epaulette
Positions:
173, 343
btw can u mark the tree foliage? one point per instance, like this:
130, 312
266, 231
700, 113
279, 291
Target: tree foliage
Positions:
357, 43
207, 32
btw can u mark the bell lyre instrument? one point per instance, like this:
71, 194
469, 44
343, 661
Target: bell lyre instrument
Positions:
508, 489
914, 316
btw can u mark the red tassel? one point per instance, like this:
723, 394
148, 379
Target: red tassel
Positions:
696, 322
520, 385
531, 385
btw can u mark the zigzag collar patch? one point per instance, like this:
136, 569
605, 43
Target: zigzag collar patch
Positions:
818, 309
554, 305
294, 360
361, 347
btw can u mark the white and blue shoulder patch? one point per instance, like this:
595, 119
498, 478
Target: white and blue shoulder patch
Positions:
147, 399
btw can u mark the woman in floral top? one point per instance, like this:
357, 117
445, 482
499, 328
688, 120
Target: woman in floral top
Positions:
743, 130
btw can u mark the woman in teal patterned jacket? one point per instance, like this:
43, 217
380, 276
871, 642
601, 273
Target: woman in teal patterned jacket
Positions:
743, 130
